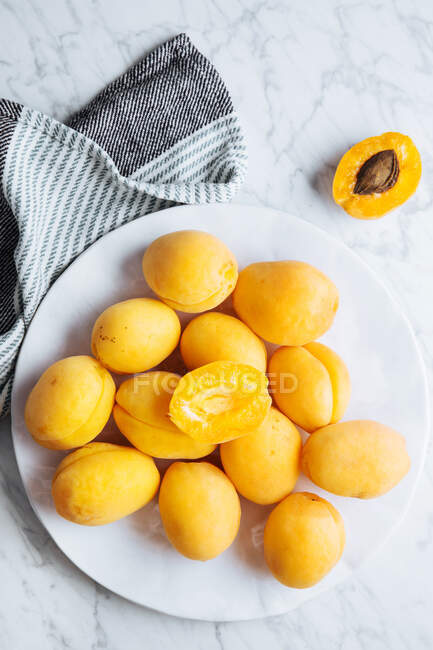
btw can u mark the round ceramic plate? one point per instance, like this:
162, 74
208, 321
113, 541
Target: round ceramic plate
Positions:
132, 557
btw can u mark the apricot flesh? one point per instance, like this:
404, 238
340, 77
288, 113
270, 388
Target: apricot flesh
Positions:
304, 539
141, 413
311, 384
218, 337
190, 270
220, 401
287, 303
264, 465
135, 335
199, 508
101, 483
70, 404
359, 458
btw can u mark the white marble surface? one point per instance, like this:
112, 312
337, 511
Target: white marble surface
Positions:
309, 79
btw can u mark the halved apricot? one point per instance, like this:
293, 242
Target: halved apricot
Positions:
377, 175
141, 413
220, 401
311, 384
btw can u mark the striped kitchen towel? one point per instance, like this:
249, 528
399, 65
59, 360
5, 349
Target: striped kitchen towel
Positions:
163, 133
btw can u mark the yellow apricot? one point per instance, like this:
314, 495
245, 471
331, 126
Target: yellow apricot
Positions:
220, 401
219, 337
199, 508
264, 465
304, 539
101, 483
70, 403
141, 413
190, 270
310, 384
287, 303
135, 335
360, 458
376, 175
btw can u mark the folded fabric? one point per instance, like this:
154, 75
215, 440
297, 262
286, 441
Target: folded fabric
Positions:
163, 133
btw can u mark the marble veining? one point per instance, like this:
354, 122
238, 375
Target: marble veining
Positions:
309, 79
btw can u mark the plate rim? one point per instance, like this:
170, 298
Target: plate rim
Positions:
421, 364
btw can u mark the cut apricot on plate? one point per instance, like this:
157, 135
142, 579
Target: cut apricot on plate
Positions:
220, 401
377, 175
141, 413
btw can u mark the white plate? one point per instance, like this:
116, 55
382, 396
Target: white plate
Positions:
132, 557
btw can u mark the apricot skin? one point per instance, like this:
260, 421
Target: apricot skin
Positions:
101, 483
360, 458
200, 509
264, 465
135, 335
304, 538
141, 413
70, 404
218, 337
190, 270
287, 303
220, 401
310, 384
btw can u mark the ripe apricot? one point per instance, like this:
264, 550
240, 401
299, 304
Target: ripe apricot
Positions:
360, 458
141, 413
70, 403
287, 303
377, 175
135, 335
190, 270
264, 465
200, 509
101, 483
219, 337
310, 384
220, 401
304, 539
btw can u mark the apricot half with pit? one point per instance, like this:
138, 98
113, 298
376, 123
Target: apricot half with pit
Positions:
264, 465
190, 270
70, 403
304, 539
360, 458
135, 335
220, 337
287, 303
141, 413
220, 401
377, 175
199, 508
101, 483
310, 384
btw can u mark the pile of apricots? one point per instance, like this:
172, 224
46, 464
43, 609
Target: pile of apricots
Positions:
232, 396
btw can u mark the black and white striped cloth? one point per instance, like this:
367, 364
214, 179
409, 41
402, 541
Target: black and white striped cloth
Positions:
163, 133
